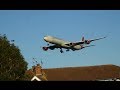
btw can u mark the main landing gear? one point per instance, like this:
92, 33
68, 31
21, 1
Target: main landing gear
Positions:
67, 50
61, 50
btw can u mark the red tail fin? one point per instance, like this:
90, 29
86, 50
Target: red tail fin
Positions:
82, 38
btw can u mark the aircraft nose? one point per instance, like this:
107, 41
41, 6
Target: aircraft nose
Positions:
45, 38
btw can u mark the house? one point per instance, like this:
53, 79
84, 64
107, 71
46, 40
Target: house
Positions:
86, 73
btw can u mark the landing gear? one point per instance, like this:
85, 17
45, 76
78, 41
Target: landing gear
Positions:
73, 49
67, 50
61, 50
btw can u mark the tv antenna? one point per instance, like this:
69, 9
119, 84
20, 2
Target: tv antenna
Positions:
35, 61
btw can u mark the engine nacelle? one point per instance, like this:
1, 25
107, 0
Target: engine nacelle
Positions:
51, 48
45, 48
87, 41
72, 44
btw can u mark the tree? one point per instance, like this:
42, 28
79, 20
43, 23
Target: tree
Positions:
12, 62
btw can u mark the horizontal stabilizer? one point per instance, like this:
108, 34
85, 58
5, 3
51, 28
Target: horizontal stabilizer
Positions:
87, 46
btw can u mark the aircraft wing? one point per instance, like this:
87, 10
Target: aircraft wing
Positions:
53, 47
83, 42
97, 39
78, 43
50, 47
75, 43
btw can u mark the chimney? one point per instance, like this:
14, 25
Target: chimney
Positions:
38, 70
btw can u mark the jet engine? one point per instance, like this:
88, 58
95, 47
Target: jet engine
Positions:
72, 44
87, 41
45, 48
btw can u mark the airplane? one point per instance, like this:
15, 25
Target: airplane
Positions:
60, 43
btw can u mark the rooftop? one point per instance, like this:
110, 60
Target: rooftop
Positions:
83, 73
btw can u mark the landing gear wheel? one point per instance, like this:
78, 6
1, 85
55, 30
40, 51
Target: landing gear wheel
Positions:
67, 50
61, 50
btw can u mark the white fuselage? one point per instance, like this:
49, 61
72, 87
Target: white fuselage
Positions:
60, 42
